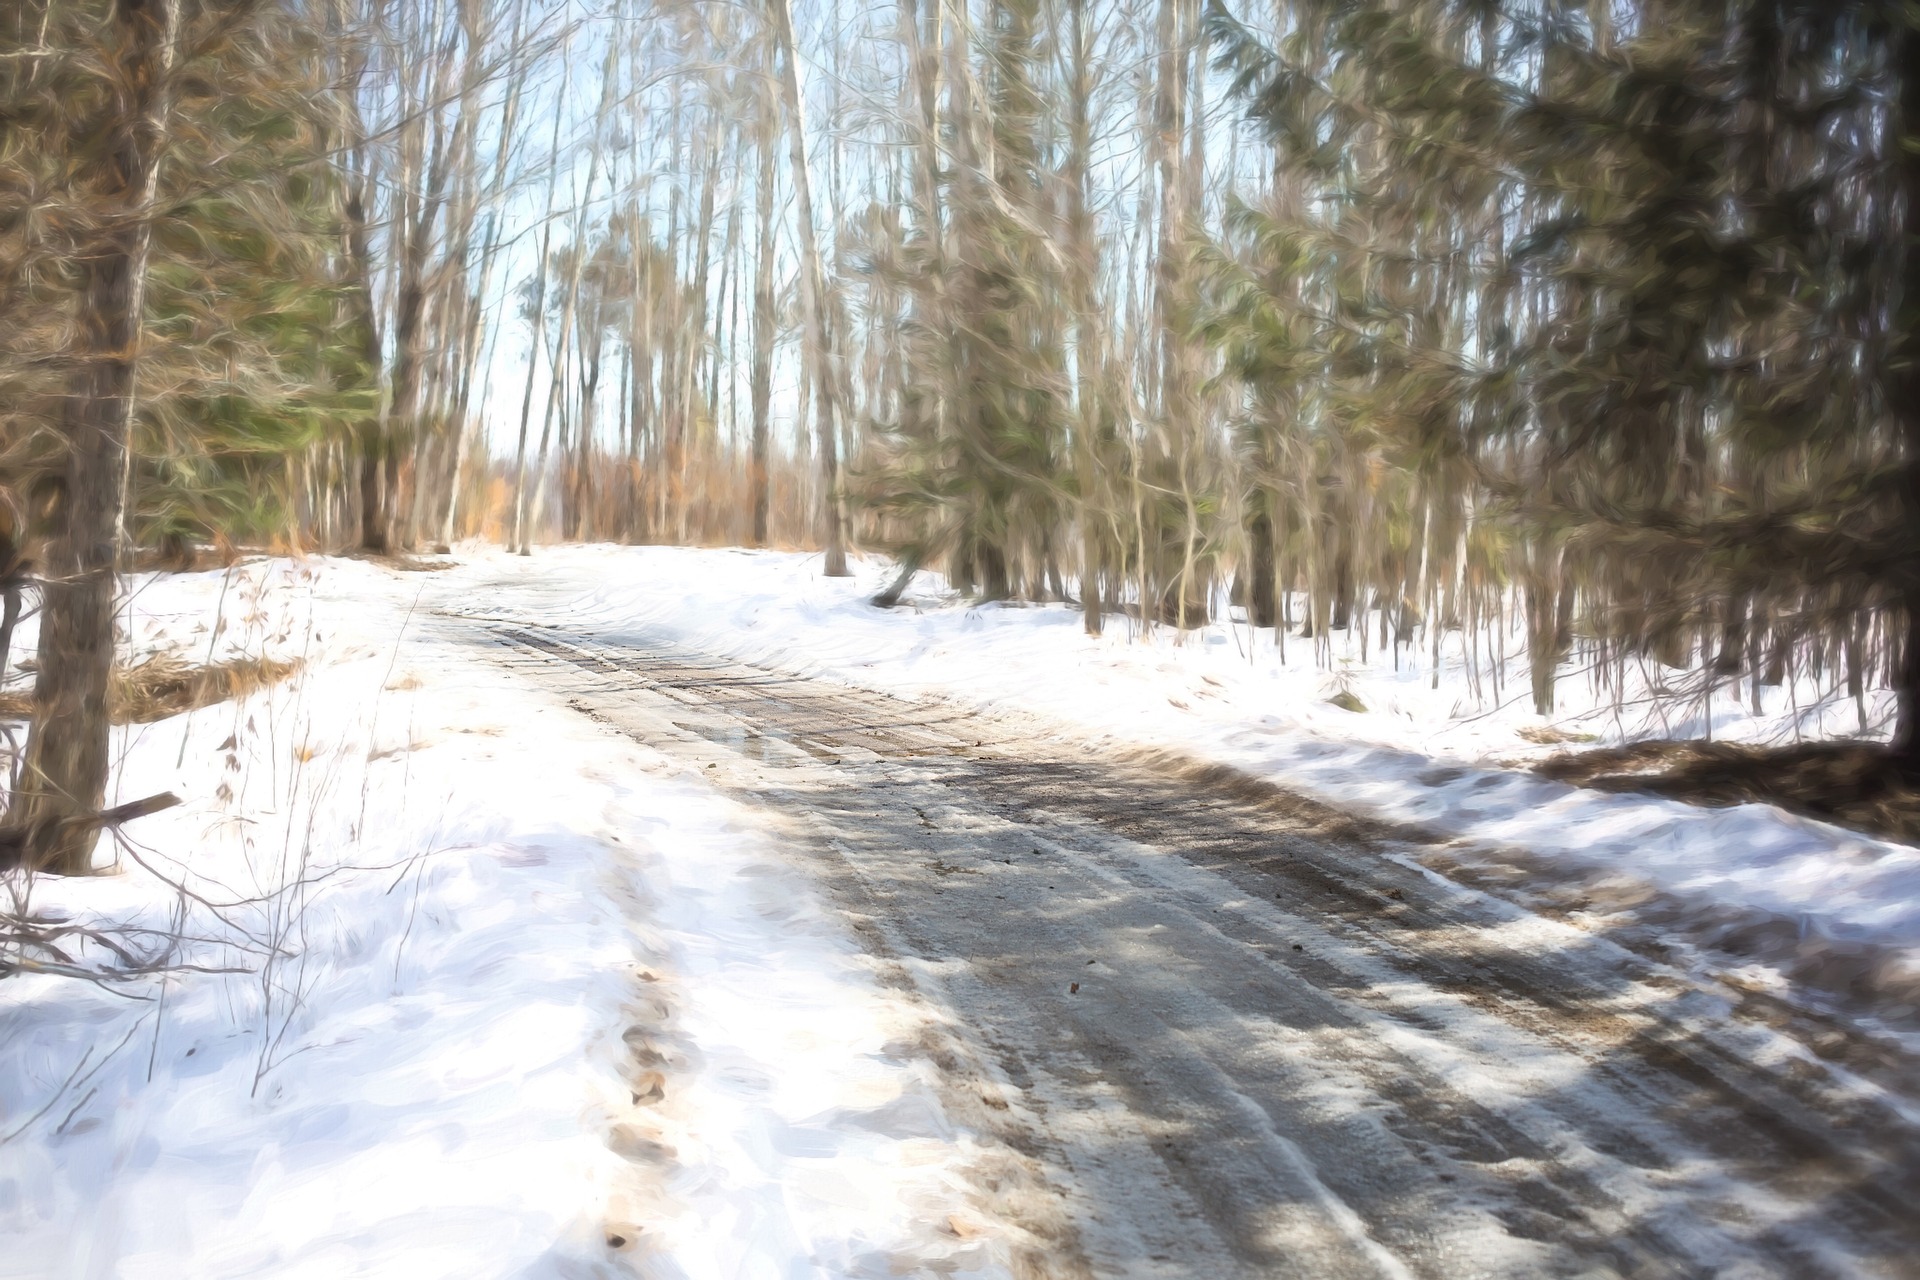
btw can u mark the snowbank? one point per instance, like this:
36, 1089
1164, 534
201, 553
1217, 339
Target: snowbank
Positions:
465, 986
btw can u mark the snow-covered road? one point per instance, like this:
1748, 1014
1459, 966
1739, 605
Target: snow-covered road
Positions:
672, 913
1207, 1029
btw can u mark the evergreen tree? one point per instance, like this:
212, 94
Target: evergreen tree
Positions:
971, 464
166, 273
1619, 282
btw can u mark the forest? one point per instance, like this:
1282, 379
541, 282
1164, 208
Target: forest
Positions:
993, 639
1381, 319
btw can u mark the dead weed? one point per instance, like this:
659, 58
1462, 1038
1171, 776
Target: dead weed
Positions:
1854, 784
1545, 735
404, 563
166, 685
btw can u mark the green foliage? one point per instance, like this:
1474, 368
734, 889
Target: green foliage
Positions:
968, 472
251, 363
246, 361
1604, 297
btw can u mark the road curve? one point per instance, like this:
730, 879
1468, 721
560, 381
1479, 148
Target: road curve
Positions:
1221, 1031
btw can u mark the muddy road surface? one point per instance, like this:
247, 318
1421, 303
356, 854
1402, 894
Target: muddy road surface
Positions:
1221, 1031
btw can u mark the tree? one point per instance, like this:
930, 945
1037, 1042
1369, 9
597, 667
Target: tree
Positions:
764, 322
1613, 288
1904, 391
118, 152
814, 295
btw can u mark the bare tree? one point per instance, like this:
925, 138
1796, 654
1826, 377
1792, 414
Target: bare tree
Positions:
814, 294
763, 314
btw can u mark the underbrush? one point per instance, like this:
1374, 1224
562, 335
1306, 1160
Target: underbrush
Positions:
167, 684
1854, 784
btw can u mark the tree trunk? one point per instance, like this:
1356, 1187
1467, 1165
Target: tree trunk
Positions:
763, 330
813, 285
1548, 622
639, 380
1906, 734
1262, 604
65, 777
1088, 324
361, 311
516, 532
673, 409
1185, 583
693, 324
580, 521
373, 520
569, 304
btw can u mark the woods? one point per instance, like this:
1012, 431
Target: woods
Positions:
1418, 323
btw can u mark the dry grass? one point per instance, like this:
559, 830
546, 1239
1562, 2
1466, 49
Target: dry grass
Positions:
1854, 784
1548, 736
165, 685
402, 563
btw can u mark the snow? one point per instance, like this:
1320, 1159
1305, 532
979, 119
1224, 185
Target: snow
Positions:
1431, 753
504, 994
467, 984
801, 1135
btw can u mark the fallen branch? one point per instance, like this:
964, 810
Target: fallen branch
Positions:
13, 840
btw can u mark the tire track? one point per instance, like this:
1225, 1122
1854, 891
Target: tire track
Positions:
1250, 1037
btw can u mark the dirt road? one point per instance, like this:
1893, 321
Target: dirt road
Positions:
1220, 1031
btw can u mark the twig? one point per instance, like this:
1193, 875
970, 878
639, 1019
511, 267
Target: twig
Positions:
213, 639
73, 1077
